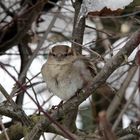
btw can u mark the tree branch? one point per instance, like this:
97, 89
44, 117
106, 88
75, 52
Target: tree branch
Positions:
121, 92
78, 28
18, 28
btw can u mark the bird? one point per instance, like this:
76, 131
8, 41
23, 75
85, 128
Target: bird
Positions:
66, 72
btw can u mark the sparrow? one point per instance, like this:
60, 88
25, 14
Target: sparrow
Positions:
65, 72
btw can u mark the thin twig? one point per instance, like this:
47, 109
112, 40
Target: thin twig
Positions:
121, 92
124, 108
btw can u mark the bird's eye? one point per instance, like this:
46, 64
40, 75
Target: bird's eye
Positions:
53, 54
65, 54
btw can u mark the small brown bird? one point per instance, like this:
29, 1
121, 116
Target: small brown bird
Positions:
65, 73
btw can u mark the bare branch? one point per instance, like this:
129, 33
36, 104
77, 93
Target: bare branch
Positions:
120, 94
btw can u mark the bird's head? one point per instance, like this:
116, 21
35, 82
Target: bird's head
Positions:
61, 53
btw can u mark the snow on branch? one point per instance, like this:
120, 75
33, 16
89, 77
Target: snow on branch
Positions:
98, 5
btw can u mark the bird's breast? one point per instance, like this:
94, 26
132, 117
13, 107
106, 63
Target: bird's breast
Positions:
63, 81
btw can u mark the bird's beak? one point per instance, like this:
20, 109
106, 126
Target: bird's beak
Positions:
59, 57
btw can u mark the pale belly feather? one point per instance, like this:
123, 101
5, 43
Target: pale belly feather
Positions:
62, 83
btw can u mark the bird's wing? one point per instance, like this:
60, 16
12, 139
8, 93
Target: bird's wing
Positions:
90, 65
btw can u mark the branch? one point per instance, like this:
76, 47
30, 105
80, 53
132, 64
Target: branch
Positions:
18, 28
132, 129
119, 118
121, 92
15, 132
105, 127
78, 28
6, 111
21, 114
105, 42
24, 56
